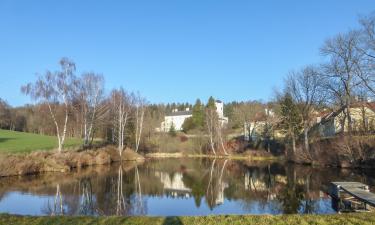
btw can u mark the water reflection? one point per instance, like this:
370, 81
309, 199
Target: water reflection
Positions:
176, 187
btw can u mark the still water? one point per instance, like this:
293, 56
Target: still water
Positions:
177, 187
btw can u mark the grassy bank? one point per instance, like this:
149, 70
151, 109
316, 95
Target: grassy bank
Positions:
20, 142
338, 219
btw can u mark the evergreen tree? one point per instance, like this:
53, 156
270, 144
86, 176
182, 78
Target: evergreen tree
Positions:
172, 131
291, 121
198, 114
211, 103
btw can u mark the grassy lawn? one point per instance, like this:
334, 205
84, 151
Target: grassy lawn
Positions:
338, 219
20, 142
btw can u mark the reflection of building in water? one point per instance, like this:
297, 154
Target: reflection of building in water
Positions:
281, 179
173, 185
254, 183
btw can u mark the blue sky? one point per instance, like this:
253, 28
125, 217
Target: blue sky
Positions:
170, 50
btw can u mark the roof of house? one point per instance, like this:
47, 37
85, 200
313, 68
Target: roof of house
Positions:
180, 113
327, 115
370, 105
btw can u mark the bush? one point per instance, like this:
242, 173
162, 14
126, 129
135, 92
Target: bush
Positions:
188, 124
172, 131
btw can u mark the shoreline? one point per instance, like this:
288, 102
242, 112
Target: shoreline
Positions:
47, 161
161, 155
294, 219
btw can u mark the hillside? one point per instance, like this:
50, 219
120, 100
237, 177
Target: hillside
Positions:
21, 142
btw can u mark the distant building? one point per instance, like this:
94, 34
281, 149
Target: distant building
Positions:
254, 129
362, 116
177, 118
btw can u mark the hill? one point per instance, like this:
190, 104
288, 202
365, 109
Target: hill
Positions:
21, 142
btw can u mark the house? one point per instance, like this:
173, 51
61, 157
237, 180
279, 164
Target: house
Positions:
177, 118
362, 116
254, 129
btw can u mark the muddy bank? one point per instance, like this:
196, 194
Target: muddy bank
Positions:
38, 162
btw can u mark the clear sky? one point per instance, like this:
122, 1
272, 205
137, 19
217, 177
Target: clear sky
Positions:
170, 50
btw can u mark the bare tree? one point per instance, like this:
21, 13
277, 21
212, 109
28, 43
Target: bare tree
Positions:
211, 118
305, 88
214, 127
140, 107
91, 95
249, 114
121, 108
366, 46
343, 66
53, 89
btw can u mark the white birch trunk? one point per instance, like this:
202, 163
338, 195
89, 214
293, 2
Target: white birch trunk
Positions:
139, 127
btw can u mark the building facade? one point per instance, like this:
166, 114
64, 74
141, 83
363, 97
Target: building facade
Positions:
177, 118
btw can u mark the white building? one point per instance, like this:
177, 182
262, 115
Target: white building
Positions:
174, 186
177, 118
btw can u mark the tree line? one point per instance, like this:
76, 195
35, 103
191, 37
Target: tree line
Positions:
78, 106
344, 79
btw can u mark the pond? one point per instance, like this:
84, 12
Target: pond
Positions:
178, 187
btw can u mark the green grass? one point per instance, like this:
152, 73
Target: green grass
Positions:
337, 219
20, 142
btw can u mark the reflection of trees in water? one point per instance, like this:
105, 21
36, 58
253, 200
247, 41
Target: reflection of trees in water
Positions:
86, 203
216, 186
298, 195
139, 204
116, 193
120, 202
121, 190
55, 207
206, 178
124, 196
258, 187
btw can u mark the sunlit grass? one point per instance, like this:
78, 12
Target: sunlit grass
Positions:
20, 142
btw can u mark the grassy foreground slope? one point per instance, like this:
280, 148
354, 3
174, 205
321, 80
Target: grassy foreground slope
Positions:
20, 142
338, 219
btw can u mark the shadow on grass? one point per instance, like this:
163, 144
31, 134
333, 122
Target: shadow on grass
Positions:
5, 139
172, 221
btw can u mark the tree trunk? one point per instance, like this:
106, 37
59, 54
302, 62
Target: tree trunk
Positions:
60, 144
350, 128
65, 125
306, 138
293, 144
139, 126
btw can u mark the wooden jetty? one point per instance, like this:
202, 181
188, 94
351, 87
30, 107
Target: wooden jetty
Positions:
356, 193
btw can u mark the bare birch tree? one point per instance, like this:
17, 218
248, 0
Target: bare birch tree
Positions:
140, 108
121, 109
211, 118
91, 95
214, 127
53, 89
